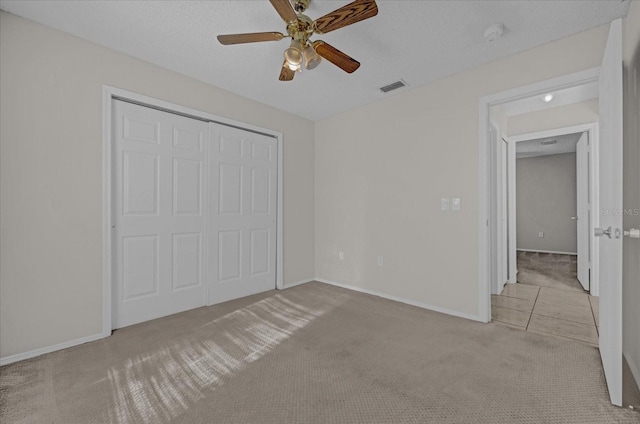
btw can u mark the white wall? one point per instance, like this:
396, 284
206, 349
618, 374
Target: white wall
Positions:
631, 179
545, 202
558, 117
51, 176
381, 170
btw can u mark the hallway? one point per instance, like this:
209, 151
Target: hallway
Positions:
547, 299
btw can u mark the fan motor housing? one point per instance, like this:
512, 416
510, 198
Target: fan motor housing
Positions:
301, 29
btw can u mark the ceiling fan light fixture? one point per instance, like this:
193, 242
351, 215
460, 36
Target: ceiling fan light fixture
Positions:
293, 66
311, 58
293, 55
301, 52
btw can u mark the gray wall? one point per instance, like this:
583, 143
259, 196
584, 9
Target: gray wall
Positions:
545, 201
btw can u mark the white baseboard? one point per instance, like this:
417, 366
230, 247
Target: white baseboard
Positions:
48, 349
403, 300
296, 283
547, 251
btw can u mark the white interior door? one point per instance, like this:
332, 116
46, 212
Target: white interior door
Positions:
504, 200
610, 217
501, 213
243, 204
494, 233
582, 209
512, 216
160, 166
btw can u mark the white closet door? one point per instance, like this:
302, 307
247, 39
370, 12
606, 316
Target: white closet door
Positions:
159, 212
583, 209
243, 199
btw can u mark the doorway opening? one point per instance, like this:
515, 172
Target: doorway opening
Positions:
543, 162
549, 187
607, 227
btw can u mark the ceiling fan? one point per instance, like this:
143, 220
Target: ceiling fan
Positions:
300, 28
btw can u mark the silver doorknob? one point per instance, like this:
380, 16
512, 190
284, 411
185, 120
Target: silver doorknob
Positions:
574, 218
599, 232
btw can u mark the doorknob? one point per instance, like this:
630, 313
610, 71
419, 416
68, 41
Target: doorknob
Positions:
632, 233
574, 218
599, 232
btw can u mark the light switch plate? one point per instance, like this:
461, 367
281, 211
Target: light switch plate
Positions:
455, 204
541, 234
444, 204
380, 261
341, 255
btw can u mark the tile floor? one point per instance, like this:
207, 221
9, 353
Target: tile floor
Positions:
548, 299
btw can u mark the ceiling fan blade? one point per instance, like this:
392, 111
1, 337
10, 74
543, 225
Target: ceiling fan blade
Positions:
346, 15
335, 56
286, 74
285, 10
252, 37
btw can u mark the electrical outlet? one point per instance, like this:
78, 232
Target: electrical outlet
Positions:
380, 261
341, 255
541, 234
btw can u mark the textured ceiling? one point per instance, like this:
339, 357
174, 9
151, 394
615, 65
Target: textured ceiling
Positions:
417, 41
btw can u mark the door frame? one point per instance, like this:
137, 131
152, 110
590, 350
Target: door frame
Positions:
485, 253
593, 131
109, 94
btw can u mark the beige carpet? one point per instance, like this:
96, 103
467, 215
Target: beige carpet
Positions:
313, 354
553, 270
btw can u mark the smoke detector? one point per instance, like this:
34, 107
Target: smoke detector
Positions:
493, 32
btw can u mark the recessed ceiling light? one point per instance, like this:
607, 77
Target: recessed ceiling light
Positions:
547, 97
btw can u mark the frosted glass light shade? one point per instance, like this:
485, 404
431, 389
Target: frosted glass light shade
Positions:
293, 55
311, 57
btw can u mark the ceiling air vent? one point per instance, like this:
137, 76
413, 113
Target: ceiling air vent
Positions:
546, 143
393, 86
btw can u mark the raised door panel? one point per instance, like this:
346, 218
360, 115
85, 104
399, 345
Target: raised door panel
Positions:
139, 183
260, 250
187, 268
230, 189
139, 266
187, 187
260, 191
